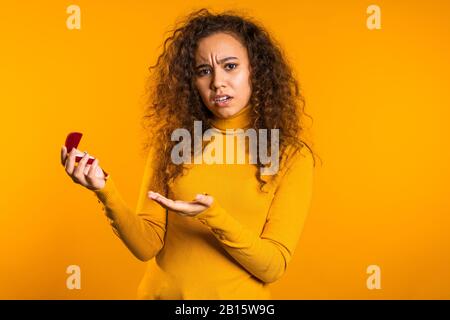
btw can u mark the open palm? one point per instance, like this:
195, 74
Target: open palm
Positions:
185, 208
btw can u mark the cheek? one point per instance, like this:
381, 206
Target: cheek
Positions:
242, 81
202, 86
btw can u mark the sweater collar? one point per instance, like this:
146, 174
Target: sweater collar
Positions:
236, 121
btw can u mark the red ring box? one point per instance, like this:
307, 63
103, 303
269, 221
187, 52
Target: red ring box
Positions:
72, 141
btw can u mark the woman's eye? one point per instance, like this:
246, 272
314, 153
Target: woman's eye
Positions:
231, 64
202, 72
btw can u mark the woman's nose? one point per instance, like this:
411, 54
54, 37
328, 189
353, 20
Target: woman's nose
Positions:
219, 79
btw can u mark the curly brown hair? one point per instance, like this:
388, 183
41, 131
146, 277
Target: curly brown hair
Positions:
174, 101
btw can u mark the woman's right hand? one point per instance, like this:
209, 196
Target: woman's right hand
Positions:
89, 176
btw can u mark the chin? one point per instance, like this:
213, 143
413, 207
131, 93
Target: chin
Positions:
225, 112
221, 113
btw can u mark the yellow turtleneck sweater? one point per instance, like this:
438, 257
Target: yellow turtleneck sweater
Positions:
233, 249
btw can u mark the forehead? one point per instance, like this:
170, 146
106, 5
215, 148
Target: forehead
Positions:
219, 45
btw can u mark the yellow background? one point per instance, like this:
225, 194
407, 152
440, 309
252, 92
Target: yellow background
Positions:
380, 104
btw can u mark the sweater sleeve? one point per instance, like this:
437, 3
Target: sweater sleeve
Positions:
266, 256
142, 231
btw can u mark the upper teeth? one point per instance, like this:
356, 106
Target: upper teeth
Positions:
222, 98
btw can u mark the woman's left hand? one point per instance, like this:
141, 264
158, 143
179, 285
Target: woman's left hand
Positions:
184, 208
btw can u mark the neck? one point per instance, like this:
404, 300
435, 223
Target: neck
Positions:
236, 121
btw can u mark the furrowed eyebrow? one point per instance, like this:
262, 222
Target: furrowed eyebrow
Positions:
220, 62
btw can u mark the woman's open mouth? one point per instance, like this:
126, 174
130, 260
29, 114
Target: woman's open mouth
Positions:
223, 101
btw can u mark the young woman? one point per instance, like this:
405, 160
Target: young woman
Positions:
214, 229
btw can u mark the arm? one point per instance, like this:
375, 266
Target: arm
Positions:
142, 232
266, 256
